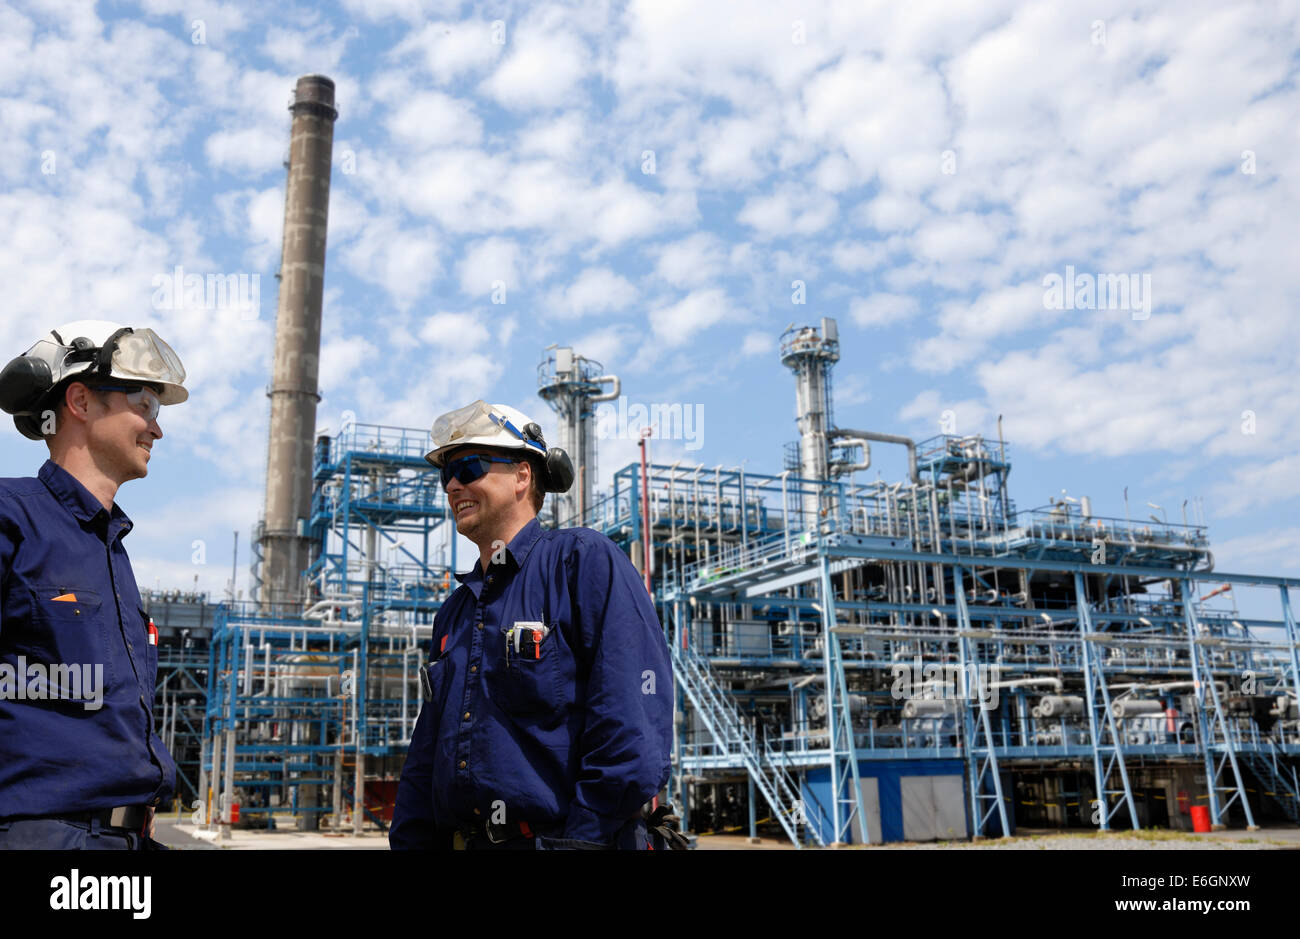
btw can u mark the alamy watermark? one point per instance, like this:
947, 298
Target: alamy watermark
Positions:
1077, 291
238, 293
57, 682
936, 681
675, 421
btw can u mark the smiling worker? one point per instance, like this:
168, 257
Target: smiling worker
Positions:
80, 764
548, 707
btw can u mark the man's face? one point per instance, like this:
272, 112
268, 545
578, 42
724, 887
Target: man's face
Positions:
121, 433
481, 507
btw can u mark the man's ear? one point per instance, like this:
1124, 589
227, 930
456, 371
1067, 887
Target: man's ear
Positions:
526, 477
77, 396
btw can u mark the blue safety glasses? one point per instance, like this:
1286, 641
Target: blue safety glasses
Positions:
466, 469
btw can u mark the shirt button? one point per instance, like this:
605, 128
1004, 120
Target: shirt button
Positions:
463, 764
478, 811
478, 626
467, 715
473, 668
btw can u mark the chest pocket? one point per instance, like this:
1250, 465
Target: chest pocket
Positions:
529, 684
150, 640
69, 627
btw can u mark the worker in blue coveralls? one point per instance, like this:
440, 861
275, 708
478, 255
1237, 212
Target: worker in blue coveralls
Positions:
547, 719
80, 764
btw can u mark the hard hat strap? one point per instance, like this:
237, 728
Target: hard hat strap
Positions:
104, 360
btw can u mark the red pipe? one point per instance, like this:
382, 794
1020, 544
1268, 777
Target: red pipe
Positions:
645, 512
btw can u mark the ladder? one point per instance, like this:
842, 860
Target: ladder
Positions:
736, 740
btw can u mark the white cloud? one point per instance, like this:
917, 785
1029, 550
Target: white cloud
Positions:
560, 138
413, 11
695, 260
250, 149
882, 309
675, 324
1276, 549
596, 290
610, 345
540, 70
403, 262
455, 330
449, 50
433, 119
757, 344
487, 263
1258, 484
788, 212
936, 413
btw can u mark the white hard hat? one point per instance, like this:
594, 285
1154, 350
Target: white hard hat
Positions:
498, 425
90, 351
484, 425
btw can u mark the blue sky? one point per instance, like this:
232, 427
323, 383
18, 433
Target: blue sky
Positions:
921, 168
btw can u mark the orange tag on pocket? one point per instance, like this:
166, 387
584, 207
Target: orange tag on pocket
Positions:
66, 598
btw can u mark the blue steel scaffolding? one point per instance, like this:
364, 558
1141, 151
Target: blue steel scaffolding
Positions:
302, 701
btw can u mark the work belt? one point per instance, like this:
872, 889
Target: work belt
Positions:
496, 833
132, 818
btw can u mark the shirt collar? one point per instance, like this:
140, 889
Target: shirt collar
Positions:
517, 551
76, 498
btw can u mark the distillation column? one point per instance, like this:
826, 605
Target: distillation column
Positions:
570, 384
293, 391
811, 355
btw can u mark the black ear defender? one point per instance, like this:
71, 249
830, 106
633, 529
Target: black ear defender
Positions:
23, 383
559, 468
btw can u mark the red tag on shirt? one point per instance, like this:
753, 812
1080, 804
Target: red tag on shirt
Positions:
443, 648
153, 634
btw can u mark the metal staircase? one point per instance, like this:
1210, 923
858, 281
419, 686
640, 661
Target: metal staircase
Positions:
735, 738
1280, 780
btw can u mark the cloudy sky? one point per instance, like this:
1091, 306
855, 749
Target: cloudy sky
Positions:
649, 181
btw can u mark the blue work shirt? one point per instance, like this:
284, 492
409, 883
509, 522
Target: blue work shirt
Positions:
575, 737
68, 599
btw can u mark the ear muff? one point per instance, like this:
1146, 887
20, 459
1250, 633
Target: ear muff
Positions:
559, 470
24, 382
28, 426
558, 475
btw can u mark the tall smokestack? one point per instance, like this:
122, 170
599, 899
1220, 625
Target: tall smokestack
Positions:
286, 547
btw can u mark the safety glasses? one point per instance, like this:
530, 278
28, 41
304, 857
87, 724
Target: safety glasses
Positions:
143, 400
466, 469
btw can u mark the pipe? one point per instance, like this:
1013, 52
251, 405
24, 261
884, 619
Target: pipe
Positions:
863, 464
612, 393
864, 435
928, 707
1135, 707
1056, 705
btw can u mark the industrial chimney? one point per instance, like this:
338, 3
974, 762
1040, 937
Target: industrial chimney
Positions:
293, 392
